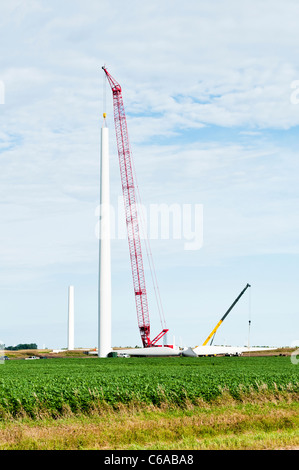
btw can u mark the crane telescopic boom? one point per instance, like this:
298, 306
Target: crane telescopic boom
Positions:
225, 315
129, 194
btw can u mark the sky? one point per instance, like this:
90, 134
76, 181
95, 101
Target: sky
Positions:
211, 93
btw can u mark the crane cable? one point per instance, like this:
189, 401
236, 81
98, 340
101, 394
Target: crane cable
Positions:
149, 252
249, 318
142, 224
104, 95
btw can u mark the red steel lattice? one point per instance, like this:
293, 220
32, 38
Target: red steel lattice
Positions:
128, 188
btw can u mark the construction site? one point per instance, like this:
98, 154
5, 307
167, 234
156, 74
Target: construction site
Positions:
152, 345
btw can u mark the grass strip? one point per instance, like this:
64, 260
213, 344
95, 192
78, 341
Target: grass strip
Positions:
233, 426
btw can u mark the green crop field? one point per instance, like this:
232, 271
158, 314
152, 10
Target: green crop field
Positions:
53, 386
149, 403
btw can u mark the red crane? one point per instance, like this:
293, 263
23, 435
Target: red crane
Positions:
129, 194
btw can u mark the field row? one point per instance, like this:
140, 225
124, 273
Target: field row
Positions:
55, 386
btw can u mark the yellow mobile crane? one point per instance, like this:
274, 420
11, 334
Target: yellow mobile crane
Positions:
225, 315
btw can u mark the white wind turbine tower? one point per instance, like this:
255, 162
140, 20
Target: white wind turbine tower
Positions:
104, 301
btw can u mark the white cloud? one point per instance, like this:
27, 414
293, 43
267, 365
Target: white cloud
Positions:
184, 69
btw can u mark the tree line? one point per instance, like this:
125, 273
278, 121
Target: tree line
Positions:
21, 346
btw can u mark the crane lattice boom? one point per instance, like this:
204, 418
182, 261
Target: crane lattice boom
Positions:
225, 315
129, 195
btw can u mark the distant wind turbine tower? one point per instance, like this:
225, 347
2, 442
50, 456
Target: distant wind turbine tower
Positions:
70, 342
104, 301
